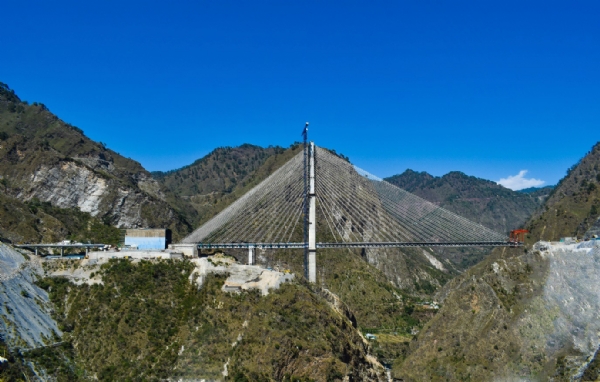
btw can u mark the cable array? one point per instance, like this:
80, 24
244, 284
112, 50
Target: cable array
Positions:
360, 207
353, 205
269, 212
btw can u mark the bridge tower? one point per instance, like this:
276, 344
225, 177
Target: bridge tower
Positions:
310, 226
380, 215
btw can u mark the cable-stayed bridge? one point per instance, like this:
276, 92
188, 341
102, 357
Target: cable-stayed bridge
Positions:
320, 193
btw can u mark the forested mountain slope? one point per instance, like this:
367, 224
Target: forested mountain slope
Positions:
523, 312
47, 159
478, 200
574, 205
211, 183
219, 171
35, 221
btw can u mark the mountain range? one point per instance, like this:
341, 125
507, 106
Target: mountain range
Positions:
55, 184
507, 317
59, 184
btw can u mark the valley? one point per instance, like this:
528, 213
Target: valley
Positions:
412, 314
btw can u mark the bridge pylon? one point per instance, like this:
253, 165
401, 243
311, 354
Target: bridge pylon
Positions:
355, 210
311, 261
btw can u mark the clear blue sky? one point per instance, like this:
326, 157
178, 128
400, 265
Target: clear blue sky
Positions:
487, 88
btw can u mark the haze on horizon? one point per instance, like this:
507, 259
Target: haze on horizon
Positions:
507, 92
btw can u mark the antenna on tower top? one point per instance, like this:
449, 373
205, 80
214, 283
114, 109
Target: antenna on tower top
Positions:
305, 133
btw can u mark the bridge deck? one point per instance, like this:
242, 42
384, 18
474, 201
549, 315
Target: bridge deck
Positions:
359, 245
59, 245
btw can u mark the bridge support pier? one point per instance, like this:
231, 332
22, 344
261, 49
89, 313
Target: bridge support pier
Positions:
250, 255
312, 266
312, 224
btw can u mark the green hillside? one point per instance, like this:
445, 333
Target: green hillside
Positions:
479, 200
574, 205
34, 128
204, 188
43, 158
219, 171
40, 222
500, 319
162, 326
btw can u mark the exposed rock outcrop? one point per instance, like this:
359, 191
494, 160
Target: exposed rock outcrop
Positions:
25, 308
532, 316
73, 185
45, 159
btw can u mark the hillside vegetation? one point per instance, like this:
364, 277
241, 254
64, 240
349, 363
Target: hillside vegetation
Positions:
357, 279
34, 221
574, 205
219, 171
148, 321
45, 158
521, 312
479, 200
215, 181
476, 199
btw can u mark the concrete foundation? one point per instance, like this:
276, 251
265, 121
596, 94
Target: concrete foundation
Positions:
312, 266
250, 255
147, 255
188, 250
240, 277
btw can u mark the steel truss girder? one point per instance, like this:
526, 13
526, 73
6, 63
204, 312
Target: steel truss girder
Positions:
59, 245
416, 244
356, 245
251, 245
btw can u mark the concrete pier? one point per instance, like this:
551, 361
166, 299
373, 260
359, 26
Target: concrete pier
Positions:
312, 225
250, 255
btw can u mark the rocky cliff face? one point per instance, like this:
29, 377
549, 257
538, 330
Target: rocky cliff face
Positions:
524, 313
43, 158
26, 309
521, 316
417, 270
73, 185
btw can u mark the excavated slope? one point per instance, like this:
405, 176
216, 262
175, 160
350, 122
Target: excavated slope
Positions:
26, 309
532, 316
